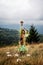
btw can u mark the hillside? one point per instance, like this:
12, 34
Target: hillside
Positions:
8, 36
11, 56
11, 37
17, 27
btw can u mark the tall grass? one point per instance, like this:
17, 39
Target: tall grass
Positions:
35, 58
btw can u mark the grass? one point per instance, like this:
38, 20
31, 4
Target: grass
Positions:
35, 58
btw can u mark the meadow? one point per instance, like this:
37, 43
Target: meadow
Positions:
34, 57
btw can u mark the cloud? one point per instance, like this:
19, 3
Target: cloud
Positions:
12, 11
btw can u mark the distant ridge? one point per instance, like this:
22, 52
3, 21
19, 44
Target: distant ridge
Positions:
17, 27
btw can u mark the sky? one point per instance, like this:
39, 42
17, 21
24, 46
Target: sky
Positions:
29, 11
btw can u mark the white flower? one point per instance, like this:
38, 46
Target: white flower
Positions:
9, 55
18, 60
16, 55
7, 52
28, 55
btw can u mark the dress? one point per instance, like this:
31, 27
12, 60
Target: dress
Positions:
22, 48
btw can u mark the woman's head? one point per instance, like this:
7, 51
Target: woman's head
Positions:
22, 31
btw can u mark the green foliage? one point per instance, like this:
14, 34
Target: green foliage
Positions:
33, 35
41, 38
8, 37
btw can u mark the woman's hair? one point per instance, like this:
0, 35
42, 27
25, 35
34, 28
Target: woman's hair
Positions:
22, 31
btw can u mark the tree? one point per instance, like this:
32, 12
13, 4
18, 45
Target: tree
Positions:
33, 35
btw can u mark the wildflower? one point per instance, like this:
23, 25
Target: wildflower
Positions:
9, 55
16, 55
28, 55
18, 60
7, 52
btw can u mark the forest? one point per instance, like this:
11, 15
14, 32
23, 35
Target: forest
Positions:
11, 37
8, 37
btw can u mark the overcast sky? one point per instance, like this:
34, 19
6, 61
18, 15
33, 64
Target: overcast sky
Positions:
13, 11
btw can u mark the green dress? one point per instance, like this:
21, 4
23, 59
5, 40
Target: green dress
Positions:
22, 48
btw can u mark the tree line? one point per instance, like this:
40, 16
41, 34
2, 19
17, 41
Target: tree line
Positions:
11, 37
8, 37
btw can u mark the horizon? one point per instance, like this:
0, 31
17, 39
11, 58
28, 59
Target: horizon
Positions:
26, 26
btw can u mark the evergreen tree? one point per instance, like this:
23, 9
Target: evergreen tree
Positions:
33, 35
